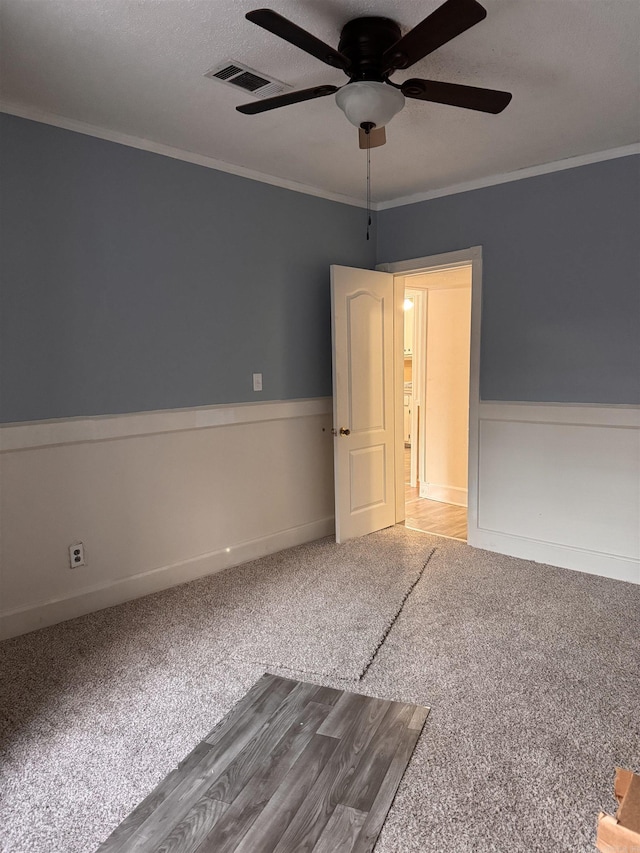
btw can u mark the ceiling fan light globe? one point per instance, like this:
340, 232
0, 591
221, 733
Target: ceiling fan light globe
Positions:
369, 102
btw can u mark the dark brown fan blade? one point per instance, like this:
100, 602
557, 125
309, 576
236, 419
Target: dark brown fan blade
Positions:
469, 97
285, 100
285, 29
448, 21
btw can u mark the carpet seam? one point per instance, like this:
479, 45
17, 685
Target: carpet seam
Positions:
365, 669
395, 618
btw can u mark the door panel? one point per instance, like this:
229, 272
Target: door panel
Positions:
362, 315
365, 329
367, 477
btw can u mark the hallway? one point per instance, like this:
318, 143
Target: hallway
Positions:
431, 516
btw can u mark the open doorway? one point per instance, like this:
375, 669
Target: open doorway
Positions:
436, 376
369, 450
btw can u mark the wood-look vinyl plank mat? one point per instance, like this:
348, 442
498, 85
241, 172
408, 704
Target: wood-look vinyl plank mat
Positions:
293, 766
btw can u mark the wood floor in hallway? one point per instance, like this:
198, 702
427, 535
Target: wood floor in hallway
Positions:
431, 516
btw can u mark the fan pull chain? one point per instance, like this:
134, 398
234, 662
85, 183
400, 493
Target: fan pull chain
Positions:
368, 132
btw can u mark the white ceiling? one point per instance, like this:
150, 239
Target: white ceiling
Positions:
136, 67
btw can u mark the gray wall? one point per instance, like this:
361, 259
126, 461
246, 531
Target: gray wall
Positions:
561, 278
134, 282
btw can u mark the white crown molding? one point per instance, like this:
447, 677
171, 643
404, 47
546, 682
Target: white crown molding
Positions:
211, 163
507, 177
168, 151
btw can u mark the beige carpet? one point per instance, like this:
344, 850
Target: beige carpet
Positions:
531, 672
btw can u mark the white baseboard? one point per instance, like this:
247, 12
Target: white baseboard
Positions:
43, 614
578, 559
445, 494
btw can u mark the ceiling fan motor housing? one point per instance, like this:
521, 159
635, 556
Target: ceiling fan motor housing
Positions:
363, 41
365, 100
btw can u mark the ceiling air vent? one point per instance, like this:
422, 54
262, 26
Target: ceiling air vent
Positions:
240, 76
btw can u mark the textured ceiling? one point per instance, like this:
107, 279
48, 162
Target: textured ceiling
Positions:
136, 67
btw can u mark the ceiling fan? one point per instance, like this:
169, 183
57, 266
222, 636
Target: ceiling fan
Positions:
370, 50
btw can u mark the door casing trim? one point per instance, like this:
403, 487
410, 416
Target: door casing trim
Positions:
414, 266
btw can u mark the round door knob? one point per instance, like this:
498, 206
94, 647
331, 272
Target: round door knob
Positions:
344, 431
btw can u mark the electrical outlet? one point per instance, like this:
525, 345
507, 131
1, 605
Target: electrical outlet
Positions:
257, 382
76, 555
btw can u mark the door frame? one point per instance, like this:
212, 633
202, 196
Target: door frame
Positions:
419, 322
414, 266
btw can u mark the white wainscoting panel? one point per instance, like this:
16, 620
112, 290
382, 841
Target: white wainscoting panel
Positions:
560, 484
157, 499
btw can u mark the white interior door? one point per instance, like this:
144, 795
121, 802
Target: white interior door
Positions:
362, 323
